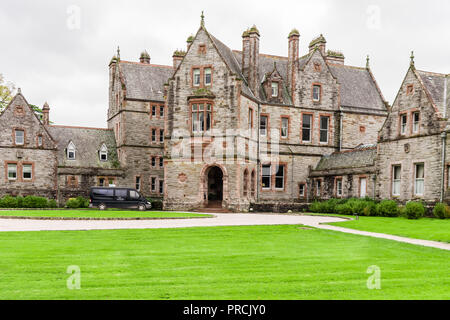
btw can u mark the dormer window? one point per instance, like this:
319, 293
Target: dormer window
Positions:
19, 137
71, 151
103, 153
196, 77
316, 92
274, 89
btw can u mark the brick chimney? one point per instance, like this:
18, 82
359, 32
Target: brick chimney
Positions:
177, 56
293, 54
46, 114
335, 57
145, 57
320, 43
250, 57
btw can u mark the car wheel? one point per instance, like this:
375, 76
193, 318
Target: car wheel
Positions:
141, 207
102, 206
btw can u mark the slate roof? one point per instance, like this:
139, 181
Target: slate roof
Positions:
88, 142
145, 81
356, 158
358, 88
435, 84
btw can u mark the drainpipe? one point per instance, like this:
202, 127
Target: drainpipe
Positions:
374, 180
292, 173
444, 140
340, 130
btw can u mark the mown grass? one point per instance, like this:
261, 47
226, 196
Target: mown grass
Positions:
249, 262
425, 228
94, 213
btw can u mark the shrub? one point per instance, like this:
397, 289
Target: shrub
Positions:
78, 202
370, 209
35, 202
157, 204
8, 202
414, 210
82, 202
52, 204
387, 208
344, 209
313, 207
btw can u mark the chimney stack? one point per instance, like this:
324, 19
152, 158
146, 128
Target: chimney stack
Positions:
46, 114
293, 56
320, 43
250, 57
145, 57
178, 56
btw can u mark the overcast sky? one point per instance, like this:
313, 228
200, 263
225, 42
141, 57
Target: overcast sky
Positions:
58, 51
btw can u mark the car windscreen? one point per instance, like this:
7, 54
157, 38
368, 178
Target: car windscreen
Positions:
102, 193
134, 195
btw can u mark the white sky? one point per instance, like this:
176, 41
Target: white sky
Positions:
52, 61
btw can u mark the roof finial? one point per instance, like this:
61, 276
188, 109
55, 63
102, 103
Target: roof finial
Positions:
118, 53
412, 59
19, 90
202, 22
367, 62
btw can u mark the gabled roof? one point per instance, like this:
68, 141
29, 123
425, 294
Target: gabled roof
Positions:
88, 142
359, 90
437, 86
145, 81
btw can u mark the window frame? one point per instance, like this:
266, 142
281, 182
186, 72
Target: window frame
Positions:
316, 85
205, 103
7, 171
103, 151
283, 177
269, 187
275, 88
71, 147
304, 186
415, 125
266, 127
137, 183
394, 180
328, 130
338, 193
310, 129
416, 180
194, 83
205, 76
288, 118
31, 166
403, 126
15, 131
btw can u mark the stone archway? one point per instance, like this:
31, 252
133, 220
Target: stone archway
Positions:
214, 188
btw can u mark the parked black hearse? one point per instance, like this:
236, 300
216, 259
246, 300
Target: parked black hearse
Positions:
122, 198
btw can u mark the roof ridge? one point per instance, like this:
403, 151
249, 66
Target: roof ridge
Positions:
265, 55
147, 64
78, 127
433, 73
346, 66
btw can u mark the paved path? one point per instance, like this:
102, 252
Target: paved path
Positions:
218, 220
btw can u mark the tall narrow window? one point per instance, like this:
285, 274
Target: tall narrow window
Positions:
153, 135
161, 135
274, 89
101, 182
153, 111
318, 187
153, 161
161, 111
39, 141
324, 124
339, 187
416, 119
12, 171
71, 151
301, 190
279, 177
284, 127
153, 184
266, 176
161, 186
20, 137
245, 183
403, 123
419, 179
138, 183
306, 127
250, 118
396, 180
27, 172
316, 92
207, 76
201, 117
161, 162
103, 153
253, 183
263, 126
196, 75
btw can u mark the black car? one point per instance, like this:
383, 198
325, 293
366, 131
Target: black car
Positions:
122, 198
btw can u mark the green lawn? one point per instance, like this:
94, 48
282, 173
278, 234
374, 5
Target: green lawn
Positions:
425, 228
251, 262
100, 214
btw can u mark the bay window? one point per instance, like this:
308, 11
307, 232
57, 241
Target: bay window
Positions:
201, 117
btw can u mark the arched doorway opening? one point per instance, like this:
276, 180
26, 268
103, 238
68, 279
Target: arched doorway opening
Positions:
214, 187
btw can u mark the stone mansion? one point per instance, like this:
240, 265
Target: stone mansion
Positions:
239, 129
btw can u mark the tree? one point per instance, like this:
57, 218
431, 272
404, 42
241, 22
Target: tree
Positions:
7, 90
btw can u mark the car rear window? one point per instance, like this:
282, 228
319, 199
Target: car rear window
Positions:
102, 192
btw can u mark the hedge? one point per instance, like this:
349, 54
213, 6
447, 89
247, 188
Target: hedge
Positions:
414, 210
30, 202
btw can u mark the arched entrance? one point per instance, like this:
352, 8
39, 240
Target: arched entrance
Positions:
214, 179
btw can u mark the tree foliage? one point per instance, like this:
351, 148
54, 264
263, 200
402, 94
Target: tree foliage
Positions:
7, 90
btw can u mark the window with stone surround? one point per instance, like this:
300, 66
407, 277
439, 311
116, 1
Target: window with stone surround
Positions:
27, 171
280, 176
201, 117
284, 127
196, 77
153, 161
208, 78
266, 176
253, 183
338, 186
416, 120
161, 162
403, 123
153, 184
318, 187
137, 183
161, 135
161, 186
396, 179
19, 137
71, 151
302, 190
306, 127
275, 87
324, 127
103, 153
153, 135
419, 179
316, 92
153, 111
12, 171
250, 118
263, 126
161, 111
